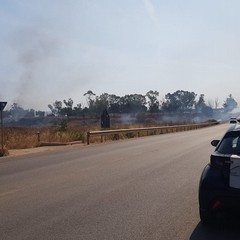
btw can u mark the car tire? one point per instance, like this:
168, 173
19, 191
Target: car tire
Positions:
207, 217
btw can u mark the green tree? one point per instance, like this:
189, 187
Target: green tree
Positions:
16, 111
230, 103
179, 101
202, 107
133, 103
68, 103
101, 102
56, 108
114, 103
200, 104
30, 113
90, 100
40, 113
77, 111
153, 102
68, 110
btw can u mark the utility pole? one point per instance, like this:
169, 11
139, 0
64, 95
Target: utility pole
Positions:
2, 106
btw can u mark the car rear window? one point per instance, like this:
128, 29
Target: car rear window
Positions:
230, 143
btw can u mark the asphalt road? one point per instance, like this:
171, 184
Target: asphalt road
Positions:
142, 188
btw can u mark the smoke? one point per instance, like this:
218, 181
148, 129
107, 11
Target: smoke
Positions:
151, 11
45, 68
236, 112
34, 49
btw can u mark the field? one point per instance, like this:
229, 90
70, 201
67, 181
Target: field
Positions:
34, 132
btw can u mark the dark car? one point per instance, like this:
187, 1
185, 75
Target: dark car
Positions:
219, 187
233, 120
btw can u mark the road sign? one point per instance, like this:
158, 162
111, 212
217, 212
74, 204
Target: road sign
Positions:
2, 105
105, 119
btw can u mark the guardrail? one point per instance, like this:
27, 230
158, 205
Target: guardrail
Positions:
153, 130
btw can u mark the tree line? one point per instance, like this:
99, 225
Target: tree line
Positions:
177, 102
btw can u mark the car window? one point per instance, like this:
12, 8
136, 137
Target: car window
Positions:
230, 144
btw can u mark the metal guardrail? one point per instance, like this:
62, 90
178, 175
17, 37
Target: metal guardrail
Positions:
153, 130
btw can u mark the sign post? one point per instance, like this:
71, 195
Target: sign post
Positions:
105, 119
2, 106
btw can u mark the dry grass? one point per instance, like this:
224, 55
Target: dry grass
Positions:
69, 130
20, 138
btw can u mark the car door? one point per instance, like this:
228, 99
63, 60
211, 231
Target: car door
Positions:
234, 178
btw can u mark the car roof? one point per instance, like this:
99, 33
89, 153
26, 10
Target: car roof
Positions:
235, 127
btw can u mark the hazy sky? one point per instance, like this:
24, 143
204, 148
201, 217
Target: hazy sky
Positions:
59, 49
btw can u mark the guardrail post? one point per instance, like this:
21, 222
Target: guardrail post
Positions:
88, 138
38, 138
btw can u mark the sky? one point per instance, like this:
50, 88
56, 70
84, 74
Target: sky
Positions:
60, 49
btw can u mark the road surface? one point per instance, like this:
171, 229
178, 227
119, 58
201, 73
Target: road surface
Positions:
142, 188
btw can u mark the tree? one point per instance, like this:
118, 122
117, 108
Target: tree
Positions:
77, 111
40, 113
133, 103
216, 102
68, 110
30, 113
69, 103
179, 101
101, 102
230, 104
16, 111
56, 108
153, 102
211, 104
114, 103
202, 107
90, 99
200, 104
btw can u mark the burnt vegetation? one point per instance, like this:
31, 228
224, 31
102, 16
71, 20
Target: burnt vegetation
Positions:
67, 122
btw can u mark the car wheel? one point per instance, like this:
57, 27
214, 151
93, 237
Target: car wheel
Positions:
207, 217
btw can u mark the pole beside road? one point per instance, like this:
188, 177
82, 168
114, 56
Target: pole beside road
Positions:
2, 106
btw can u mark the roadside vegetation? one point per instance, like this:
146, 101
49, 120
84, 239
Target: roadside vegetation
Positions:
173, 103
72, 129
67, 122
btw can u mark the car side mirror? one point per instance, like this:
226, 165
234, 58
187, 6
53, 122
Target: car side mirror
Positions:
215, 142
